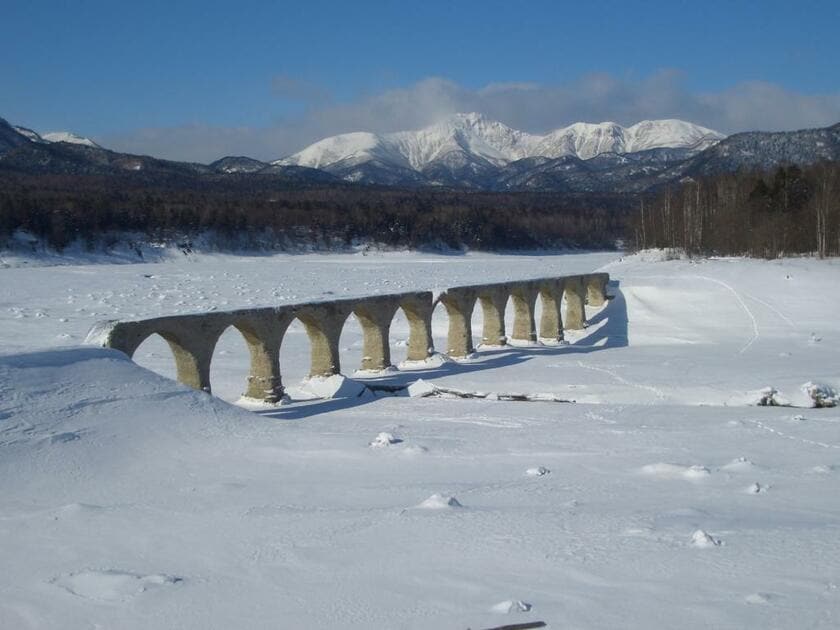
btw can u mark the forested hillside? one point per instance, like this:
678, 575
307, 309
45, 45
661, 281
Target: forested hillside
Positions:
249, 211
790, 210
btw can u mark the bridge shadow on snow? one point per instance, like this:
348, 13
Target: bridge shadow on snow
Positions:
606, 330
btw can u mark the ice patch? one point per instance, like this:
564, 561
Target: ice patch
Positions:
539, 471
702, 540
384, 439
511, 606
439, 502
676, 471
335, 386
111, 585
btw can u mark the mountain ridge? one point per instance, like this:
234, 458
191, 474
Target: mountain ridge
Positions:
470, 152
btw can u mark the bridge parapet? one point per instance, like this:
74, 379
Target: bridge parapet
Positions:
192, 338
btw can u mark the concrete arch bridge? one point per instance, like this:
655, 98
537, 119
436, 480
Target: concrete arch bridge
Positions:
192, 338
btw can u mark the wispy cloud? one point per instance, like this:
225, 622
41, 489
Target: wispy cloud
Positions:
528, 106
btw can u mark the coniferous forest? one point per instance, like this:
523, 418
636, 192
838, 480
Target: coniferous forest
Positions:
62, 209
788, 211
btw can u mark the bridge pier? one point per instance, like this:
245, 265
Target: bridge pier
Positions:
418, 309
263, 335
493, 303
459, 304
375, 316
575, 309
524, 303
192, 338
323, 323
596, 289
551, 321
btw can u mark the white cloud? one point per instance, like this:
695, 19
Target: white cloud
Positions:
528, 106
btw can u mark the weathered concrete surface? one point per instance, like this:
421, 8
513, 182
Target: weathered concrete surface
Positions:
459, 303
493, 299
551, 321
575, 303
596, 288
192, 338
524, 296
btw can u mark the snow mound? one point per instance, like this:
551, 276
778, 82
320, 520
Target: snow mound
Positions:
436, 360
335, 386
511, 606
755, 488
820, 395
439, 502
539, 471
757, 598
384, 439
676, 471
112, 585
703, 540
738, 464
768, 397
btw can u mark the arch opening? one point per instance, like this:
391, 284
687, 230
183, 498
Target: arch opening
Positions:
295, 353
399, 336
351, 344
155, 353
230, 365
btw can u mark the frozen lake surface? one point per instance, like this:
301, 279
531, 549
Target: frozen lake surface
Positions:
663, 497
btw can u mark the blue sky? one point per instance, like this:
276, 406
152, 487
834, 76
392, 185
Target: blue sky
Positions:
189, 79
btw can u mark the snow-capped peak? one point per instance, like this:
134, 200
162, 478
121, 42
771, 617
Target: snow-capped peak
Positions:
67, 136
466, 137
34, 136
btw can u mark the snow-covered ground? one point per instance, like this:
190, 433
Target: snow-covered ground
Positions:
662, 498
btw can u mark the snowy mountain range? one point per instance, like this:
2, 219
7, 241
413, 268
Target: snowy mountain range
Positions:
470, 148
56, 136
466, 151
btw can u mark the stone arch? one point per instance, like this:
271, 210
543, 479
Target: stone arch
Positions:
263, 334
192, 353
375, 316
323, 323
154, 353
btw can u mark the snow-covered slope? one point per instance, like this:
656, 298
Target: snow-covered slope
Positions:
67, 136
34, 136
473, 138
661, 499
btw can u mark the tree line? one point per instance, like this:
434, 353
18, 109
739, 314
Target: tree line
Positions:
791, 210
62, 209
